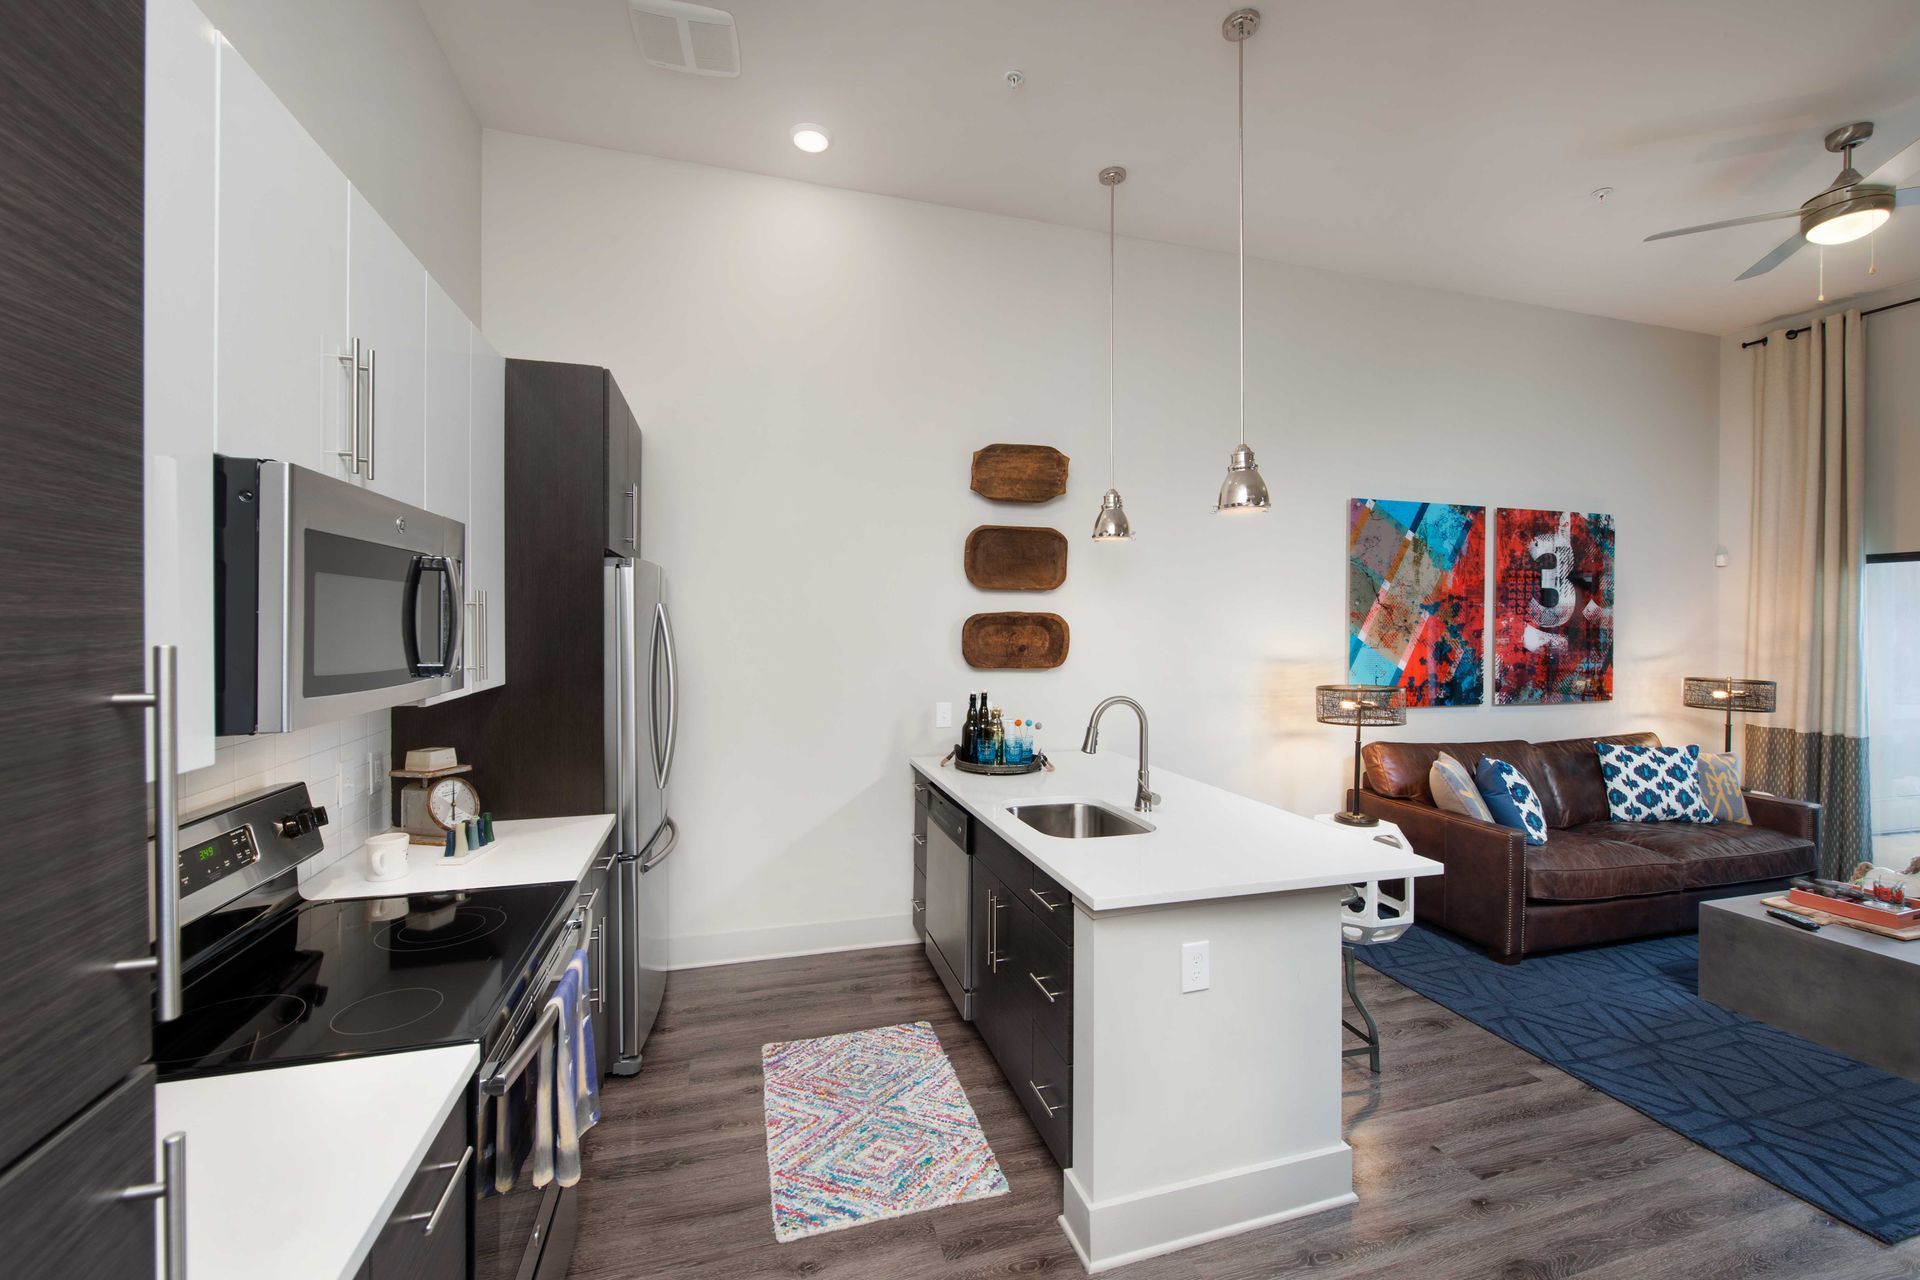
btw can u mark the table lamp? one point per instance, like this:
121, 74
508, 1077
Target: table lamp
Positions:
1359, 705
1731, 694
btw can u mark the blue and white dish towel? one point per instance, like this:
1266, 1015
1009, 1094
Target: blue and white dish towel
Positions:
568, 1102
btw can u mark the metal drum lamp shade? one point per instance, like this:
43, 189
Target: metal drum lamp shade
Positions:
1729, 694
1359, 705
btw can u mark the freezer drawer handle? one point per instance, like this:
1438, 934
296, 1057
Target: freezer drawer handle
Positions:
432, 1219
654, 859
172, 1188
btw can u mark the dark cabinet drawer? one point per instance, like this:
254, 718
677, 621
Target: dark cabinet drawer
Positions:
1047, 1094
1046, 968
1000, 1010
60, 1211
1052, 904
426, 1236
919, 903
921, 788
1002, 859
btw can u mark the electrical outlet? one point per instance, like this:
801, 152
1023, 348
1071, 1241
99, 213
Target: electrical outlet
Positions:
1196, 966
943, 715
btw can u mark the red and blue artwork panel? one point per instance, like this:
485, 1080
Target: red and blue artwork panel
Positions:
1552, 607
1416, 588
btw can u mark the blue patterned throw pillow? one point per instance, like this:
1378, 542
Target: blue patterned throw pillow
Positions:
1511, 798
1652, 784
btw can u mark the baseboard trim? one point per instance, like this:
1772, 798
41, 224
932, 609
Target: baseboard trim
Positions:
781, 942
1181, 1215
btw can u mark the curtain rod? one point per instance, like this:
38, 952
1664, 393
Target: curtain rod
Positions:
1794, 333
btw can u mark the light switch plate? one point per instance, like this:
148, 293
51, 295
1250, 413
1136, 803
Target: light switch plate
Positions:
943, 715
1196, 966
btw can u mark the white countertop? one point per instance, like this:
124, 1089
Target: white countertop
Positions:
293, 1171
1205, 843
525, 851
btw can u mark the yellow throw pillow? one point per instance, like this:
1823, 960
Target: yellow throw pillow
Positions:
1720, 788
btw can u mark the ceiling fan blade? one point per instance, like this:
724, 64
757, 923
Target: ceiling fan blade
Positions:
1715, 226
1787, 249
1897, 170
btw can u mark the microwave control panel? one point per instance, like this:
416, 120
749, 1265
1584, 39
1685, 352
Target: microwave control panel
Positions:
209, 860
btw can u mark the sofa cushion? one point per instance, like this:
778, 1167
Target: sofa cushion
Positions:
1581, 865
1652, 784
1708, 857
1455, 791
1400, 769
1568, 777
1511, 798
1720, 788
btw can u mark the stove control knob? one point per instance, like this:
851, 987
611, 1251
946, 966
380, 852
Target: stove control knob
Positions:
320, 815
287, 827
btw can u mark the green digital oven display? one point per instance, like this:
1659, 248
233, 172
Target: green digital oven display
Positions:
209, 851
221, 856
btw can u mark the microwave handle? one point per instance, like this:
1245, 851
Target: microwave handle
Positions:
447, 570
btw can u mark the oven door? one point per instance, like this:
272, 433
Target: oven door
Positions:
362, 600
521, 1232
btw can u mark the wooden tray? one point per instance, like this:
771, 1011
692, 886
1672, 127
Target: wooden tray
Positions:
1014, 641
1012, 557
1909, 934
1019, 472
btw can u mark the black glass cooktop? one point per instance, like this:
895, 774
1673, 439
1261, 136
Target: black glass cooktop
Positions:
373, 975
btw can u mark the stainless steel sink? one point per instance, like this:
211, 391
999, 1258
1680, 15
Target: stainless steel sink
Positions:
1077, 820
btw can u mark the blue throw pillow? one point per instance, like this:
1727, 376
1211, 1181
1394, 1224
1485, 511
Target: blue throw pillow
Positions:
1511, 798
1652, 784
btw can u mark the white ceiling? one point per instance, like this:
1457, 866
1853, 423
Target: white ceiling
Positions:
1448, 143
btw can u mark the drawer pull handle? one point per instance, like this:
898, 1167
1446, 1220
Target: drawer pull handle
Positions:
432, 1219
1039, 1091
1042, 895
919, 907
920, 840
1040, 982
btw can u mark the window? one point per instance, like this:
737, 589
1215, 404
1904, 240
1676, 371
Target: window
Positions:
1892, 591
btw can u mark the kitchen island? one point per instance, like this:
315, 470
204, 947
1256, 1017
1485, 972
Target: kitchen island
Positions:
1179, 1115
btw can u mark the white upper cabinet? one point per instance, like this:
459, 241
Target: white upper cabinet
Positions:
179, 366
487, 524
282, 276
449, 388
387, 316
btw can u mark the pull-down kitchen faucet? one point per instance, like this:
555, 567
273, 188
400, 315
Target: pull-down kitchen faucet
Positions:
1143, 797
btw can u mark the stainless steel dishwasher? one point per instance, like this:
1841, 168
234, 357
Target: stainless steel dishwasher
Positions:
950, 899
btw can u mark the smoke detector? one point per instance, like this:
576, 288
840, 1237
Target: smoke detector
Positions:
693, 38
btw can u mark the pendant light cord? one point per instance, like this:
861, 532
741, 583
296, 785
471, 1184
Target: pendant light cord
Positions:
1110, 335
1240, 52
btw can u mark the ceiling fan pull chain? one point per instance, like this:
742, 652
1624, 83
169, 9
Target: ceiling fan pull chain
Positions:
1872, 269
1823, 275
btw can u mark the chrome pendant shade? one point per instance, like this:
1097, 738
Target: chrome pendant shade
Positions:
1243, 490
1111, 525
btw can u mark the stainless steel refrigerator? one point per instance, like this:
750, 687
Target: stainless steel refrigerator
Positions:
642, 690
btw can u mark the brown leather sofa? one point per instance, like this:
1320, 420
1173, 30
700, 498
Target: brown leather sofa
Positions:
1593, 880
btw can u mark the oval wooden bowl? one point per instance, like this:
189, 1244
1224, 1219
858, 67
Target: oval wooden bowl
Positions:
1014, 641
1019, 472
1012, 557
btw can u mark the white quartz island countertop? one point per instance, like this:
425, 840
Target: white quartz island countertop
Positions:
292, 1172
525, 851
1205, 843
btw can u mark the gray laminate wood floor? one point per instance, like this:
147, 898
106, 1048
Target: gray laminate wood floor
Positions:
1472, 1160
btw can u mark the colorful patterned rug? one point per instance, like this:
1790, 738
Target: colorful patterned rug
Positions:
1629, 1020
869, 1125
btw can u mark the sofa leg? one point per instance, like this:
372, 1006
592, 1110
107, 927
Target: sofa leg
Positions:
1506, 957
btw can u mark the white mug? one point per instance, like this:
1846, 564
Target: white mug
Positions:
387, 855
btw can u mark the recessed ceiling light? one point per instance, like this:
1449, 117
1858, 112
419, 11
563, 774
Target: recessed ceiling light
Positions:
811, 138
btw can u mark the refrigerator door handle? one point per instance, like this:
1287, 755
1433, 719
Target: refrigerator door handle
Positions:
657, 852
627, 748
673, 694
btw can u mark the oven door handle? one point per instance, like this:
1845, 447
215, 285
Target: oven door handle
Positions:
496, 1080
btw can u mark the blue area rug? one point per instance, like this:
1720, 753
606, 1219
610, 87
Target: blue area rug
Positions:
1629, 1020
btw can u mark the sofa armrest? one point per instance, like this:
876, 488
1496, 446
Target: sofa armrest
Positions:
1790, 817
1483, 894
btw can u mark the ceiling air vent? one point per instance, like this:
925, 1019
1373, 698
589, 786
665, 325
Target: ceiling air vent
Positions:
685, 37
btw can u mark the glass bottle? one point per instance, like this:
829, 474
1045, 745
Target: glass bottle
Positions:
997, 746
968, 728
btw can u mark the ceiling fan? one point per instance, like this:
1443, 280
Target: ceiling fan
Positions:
1850, 207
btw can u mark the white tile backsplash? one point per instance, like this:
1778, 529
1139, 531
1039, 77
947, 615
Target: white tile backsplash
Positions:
343, 764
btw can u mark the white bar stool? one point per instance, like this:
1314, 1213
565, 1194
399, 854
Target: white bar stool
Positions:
1370, 916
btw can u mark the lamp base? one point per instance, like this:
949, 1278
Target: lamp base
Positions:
1356, 819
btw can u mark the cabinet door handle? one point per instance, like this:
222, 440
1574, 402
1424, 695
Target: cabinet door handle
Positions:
1039, 1091
165, 702
1041, 983
373, 404
596, 994
920, 840
172, 1188
1044, 901
432, 1219
633, 515
919, 907
473, 617
352, 452
486, 645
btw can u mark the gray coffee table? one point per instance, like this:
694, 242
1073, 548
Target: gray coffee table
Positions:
1853, 992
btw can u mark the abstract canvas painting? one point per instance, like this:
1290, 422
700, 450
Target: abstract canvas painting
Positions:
1552, 607
1416, 613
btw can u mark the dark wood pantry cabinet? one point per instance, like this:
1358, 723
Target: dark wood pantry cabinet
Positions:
76, 1103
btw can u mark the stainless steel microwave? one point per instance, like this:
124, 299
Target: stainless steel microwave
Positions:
331, 600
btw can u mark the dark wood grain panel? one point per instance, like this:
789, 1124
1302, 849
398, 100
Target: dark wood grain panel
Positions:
676, 1173
72, 847
1015, 641
1019, 472
1012, 557
59, 1215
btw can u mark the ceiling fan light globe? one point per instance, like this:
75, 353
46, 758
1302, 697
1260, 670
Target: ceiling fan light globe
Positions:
1848, 227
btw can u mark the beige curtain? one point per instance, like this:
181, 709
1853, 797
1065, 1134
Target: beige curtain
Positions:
1803, 592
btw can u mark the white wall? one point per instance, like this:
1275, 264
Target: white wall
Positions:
368, 80
813, 369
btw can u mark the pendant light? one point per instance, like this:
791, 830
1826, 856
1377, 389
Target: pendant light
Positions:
1243, 489
1111, 525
